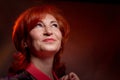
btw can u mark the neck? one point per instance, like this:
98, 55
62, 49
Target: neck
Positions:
44, 65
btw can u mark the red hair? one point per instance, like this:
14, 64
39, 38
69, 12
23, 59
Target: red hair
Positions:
25, 22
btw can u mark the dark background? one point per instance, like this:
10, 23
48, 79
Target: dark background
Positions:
93, 50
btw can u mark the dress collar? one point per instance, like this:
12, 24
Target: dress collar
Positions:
39, 75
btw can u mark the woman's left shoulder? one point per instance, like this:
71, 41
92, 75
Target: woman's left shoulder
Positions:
21, 76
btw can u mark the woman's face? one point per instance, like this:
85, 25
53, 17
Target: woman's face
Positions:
46, 35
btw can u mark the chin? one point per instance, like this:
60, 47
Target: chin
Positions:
51, 49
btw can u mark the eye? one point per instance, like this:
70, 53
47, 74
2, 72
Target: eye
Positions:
55, 25
39, 24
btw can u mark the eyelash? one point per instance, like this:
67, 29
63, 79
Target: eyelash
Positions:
42, 25
55, 25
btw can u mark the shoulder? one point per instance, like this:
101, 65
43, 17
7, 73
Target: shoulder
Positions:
21, 76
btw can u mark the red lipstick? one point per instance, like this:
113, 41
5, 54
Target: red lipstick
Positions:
48, 40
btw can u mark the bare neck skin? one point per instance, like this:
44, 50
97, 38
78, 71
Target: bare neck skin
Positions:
45, 65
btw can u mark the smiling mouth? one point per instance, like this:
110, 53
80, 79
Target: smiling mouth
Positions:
49, 40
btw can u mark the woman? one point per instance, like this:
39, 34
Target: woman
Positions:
39, 35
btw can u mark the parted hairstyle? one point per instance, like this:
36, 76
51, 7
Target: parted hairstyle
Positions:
27, 21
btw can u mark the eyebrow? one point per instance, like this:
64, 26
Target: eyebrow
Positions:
50, 21
53, 22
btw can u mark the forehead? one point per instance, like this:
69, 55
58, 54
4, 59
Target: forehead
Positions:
48, 18
45, 18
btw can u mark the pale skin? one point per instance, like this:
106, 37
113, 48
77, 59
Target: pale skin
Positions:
70, 76
45, 40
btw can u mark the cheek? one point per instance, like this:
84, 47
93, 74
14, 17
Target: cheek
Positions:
34, 34
59, 34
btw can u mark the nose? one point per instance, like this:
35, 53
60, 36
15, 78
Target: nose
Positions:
47, 31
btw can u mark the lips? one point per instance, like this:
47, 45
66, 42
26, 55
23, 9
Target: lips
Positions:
49, 40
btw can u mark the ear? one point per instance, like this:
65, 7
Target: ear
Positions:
24, 44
